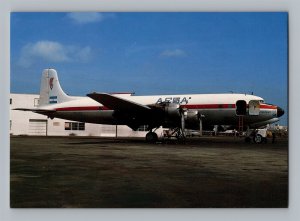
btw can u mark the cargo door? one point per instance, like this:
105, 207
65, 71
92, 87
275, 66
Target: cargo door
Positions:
254, 107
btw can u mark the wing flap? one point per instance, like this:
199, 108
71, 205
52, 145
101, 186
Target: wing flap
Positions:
117, 103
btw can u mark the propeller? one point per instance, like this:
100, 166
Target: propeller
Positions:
200, 117
182, 121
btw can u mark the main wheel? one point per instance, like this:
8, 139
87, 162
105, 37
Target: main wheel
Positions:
151, 137
258, 139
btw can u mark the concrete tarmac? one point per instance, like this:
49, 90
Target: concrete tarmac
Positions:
91, 172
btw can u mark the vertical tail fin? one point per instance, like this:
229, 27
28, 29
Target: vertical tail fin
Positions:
51, 91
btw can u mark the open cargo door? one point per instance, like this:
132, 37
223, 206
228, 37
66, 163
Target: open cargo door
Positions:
254, 107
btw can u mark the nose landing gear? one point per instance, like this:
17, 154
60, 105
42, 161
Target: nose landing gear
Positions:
258, 136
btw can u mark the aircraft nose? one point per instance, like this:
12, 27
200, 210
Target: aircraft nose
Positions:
280, 112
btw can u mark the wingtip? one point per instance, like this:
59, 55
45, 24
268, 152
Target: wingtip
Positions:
91, 94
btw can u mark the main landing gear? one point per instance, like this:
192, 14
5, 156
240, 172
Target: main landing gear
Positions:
179, 131
176, 132
151, 137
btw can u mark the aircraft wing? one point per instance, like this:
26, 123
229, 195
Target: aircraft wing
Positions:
117, 103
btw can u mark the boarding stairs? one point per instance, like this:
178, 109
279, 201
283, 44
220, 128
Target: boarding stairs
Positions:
241, 125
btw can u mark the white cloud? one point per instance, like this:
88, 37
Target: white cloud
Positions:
51, 51
173, 53
88, 17
84, 54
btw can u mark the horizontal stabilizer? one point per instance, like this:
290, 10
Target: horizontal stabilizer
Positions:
117, 103
36, 110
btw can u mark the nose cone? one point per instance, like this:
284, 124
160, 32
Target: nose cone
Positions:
280, 112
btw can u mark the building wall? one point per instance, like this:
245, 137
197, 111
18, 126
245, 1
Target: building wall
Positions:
29, 123
19, 120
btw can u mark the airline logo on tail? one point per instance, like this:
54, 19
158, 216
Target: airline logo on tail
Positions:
51, 83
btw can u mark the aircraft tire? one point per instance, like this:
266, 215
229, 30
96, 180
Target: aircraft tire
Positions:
258, 139
151, 137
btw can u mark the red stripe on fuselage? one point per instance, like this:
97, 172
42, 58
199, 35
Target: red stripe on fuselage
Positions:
188, 106
91, 108
266, 106
207, 106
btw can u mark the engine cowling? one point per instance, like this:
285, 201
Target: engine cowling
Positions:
172, 114
191, 116
169, 114
172, 111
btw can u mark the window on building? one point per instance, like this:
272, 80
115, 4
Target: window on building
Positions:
143, 128
10, 101
67, 126
36, 102
74, 126
81, 126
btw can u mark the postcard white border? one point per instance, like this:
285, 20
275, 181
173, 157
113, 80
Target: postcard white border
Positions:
291, 6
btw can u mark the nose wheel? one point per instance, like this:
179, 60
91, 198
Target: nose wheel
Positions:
258, 138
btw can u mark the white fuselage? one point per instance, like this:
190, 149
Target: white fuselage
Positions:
216, 109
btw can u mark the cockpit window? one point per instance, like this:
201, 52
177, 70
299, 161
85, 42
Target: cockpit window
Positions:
261, 101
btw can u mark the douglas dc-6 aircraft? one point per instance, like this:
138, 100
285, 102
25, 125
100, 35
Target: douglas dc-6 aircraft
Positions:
179, 112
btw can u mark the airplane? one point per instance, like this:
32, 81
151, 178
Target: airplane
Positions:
179, 112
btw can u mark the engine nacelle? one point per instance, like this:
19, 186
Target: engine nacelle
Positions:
191, 116
172, 111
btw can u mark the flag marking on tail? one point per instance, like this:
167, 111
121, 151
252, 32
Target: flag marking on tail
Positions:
52, 99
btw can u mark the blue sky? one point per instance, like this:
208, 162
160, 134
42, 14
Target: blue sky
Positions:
153, 53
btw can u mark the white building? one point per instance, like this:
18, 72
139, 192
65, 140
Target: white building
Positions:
29, 123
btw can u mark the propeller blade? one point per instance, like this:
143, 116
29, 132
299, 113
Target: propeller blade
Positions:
182, 123
200, 117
